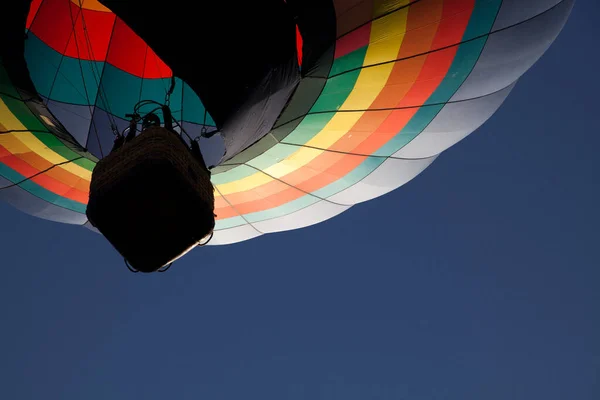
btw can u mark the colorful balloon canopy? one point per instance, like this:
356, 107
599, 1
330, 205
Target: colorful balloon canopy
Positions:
400, 82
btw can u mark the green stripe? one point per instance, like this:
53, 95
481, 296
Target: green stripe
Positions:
40, 192
467, 55
335, 92
349, 61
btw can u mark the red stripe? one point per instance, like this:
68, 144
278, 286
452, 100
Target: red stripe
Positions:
94, 35
71, 31
53, 24
299, 45
127, 50
353, 41
155, 67
33, 9
43, 180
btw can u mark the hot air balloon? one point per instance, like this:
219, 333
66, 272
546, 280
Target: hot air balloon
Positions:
300, 109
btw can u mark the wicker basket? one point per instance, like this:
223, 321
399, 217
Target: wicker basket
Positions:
152, 199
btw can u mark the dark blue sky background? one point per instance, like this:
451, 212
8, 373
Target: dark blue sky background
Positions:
480, 279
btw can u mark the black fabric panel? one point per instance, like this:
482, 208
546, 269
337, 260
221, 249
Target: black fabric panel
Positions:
316, 21
317, 24
12, 44
240, 58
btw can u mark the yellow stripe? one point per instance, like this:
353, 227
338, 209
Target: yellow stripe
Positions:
387, 35
285, 166
24, 142
247, 183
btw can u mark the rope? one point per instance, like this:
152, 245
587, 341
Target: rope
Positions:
129, 267
209, 239
135, 271
165, 269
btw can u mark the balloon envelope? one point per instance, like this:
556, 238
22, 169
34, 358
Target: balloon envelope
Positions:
400, 82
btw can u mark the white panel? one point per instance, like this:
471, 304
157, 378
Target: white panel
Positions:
33, 205
514, 11
452, 124
508, 54
313, 214
389, 176
234, 235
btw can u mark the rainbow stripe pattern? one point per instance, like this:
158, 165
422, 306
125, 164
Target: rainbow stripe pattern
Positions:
408, 82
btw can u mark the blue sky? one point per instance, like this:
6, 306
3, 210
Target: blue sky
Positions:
483, 283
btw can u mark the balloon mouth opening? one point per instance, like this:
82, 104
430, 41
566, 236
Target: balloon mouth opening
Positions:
151, 268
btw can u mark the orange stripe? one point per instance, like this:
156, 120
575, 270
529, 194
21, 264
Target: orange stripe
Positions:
223, 209
336, 171
265, 197
44, 180
57, 173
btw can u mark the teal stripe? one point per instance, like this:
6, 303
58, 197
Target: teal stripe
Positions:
61, 78
36, 190
77, 81
467, 55
193, 109
122, 92
42, 62
121, 89
156, 89
285, 209
411, 130
462, 65
482, 19
229, 223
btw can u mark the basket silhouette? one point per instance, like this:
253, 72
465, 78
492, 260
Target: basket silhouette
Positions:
152, 199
